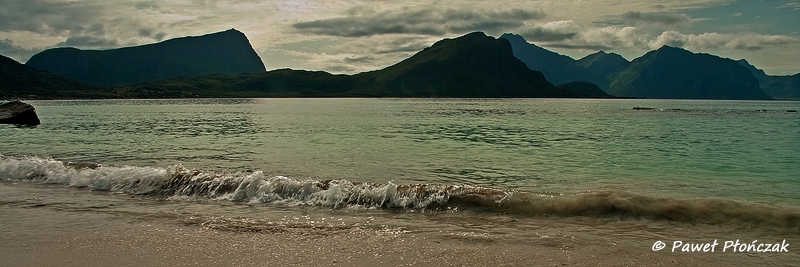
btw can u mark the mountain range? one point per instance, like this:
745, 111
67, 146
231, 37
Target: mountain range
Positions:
780, 87
667, 72
474, 65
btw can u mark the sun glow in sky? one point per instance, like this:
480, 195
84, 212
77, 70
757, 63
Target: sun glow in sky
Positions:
354, 36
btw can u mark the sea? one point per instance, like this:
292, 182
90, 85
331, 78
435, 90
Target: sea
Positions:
593, 172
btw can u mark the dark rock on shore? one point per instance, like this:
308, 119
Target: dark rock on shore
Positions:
17, 112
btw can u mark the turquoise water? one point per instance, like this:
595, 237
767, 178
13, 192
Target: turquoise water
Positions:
737, 150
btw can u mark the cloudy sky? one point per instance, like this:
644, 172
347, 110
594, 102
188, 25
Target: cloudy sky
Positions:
351, 36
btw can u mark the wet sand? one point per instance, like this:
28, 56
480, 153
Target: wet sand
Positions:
70, 238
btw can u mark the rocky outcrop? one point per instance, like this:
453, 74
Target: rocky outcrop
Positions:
17, 112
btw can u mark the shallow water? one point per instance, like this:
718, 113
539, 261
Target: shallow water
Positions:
683, 148
553, 171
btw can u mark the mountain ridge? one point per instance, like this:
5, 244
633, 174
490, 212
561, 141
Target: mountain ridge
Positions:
20, 81
226, 52
671, 72
557, 68
779, 87
472, 65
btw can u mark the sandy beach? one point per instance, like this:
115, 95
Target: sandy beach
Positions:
73, 238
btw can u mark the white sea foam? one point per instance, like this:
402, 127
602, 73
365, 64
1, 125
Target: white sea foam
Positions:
178, 182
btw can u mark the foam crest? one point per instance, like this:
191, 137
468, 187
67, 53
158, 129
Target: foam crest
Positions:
178, 182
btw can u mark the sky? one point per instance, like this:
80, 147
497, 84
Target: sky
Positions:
351, 36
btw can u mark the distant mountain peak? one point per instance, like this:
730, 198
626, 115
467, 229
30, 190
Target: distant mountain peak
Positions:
601, 55
557, 68
604, 53
512, 37
473, 65
474, 34
672, 48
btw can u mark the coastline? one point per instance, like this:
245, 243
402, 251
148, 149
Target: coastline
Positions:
50, 236
56, 212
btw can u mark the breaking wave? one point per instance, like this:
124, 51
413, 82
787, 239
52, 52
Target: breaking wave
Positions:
255, 187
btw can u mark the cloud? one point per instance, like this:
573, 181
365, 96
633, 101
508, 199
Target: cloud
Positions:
743, 41
552, 31
612, 36
356, 54
670, 38
791, 5
361, 22
159, 36
597, 47
147, 5
89, 41
145, 32
569, 35
657, 18
359, 59
9, 49
48, 17
283, 31
396, 45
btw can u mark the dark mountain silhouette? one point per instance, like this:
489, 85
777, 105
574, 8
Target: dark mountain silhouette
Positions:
276, 83
556, 68
779, 87
602, 67
677, 73
20, 81
585, 89
692, 76
597, 68
473, 65
227, 52
601, 61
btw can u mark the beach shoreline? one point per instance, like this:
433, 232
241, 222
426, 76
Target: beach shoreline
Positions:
42, 236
